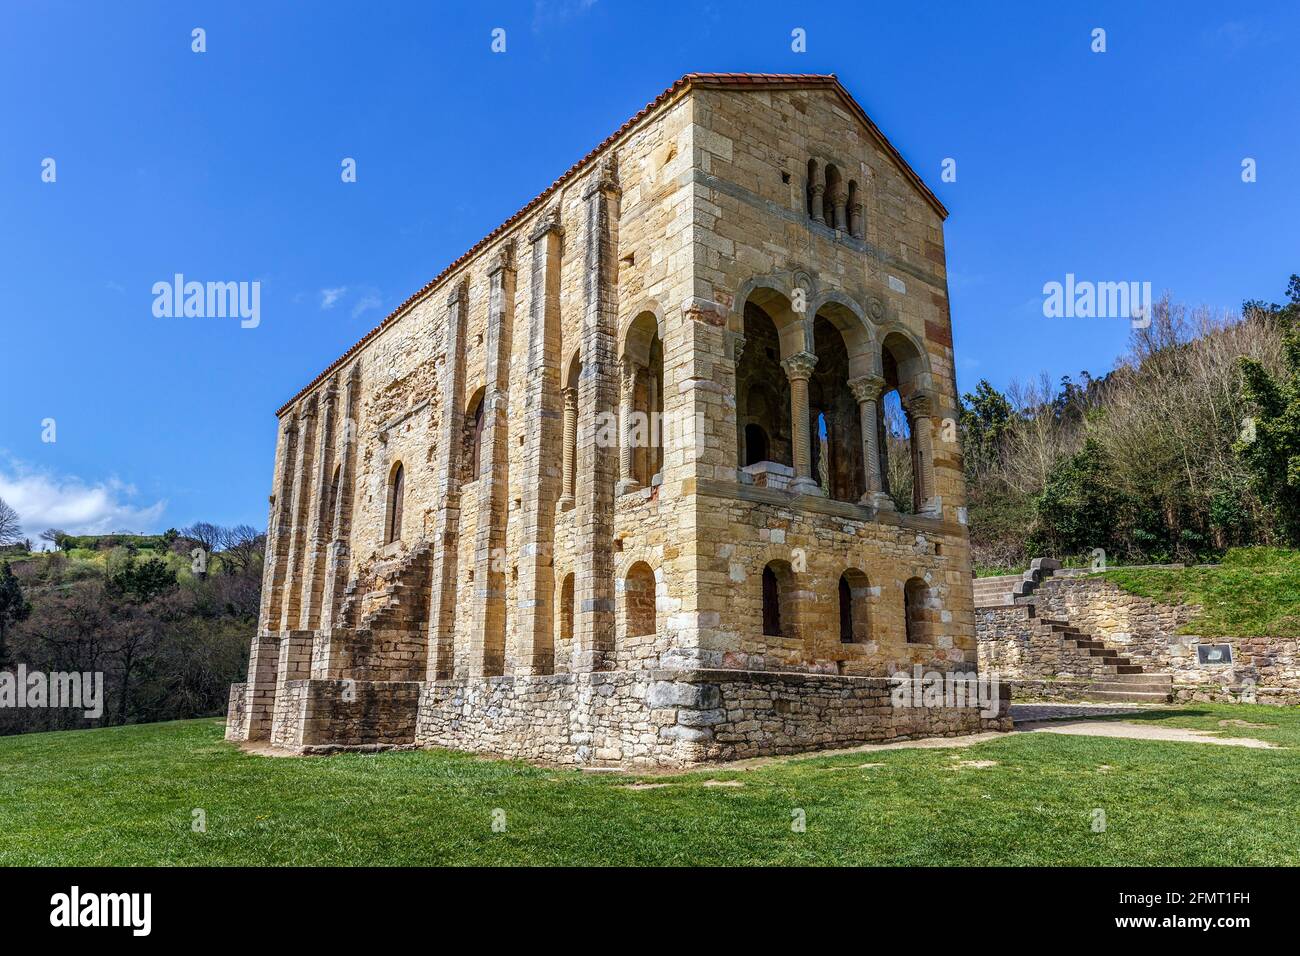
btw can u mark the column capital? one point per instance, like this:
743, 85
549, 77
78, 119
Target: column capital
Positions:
919, 404
570, 397
604, 179
457, 296
799, 367
503, 260
866, 388
629, 368
737, 347
547, 223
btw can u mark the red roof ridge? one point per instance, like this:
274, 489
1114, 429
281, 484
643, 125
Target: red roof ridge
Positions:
744, 80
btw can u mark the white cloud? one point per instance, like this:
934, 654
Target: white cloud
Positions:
367, 302
44, 500
330, 297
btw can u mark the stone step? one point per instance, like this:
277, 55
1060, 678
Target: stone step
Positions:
1128, 668
1121, 687
1138, 677
1161, 697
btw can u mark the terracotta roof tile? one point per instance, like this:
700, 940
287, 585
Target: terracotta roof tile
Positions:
745, 80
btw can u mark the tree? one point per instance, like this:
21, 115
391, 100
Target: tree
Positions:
14, 607
143, 581
10, 525
984, 417
1080, 508
240, 547
1270, 440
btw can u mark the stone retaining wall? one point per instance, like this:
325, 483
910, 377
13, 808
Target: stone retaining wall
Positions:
1265, 669
676, 718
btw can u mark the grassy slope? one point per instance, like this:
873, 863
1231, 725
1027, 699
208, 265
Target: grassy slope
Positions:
125, 795
1254, 592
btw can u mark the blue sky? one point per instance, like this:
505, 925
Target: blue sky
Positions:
225, 166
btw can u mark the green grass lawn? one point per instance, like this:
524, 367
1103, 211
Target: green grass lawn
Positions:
1253, 592
126, 795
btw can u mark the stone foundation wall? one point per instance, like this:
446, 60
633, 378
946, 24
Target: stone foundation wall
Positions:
237, 713
676, 718
323, 715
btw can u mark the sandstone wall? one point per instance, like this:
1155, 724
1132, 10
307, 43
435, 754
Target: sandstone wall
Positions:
675, 718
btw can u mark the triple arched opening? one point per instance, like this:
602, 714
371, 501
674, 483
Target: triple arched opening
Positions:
848, 381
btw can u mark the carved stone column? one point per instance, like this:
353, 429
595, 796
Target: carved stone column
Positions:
919, 411
855, 220
627, 407
866, 389
818, 202
798, 369
570, 450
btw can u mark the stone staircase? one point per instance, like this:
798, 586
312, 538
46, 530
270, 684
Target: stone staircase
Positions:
1113, 676
395, 598
1002, 591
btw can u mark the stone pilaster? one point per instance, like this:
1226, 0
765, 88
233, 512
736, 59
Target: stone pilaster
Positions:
487, 651
339, 555
322, 516
279, 530
442, 599
543, 432
300, 512
597, 404
798, 369
866, 390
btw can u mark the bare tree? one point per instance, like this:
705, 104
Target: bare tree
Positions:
205, 534
240, 547
10, 525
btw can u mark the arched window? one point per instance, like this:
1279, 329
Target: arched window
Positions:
855, 622
396, 493
779, 612
906, 445
915, 598
639, 616
474, 437
771, 603
755, 444
762, 387
836, 423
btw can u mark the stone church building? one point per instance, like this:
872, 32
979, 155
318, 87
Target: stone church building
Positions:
612, 489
